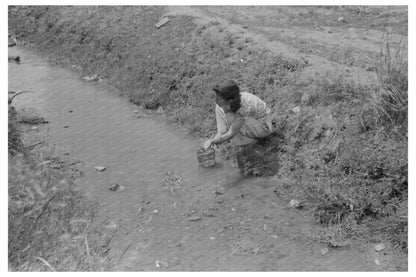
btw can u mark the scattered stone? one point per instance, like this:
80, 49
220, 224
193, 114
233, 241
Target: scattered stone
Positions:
155, 211
34, 128
219, 191
95, 77
117, 187
296, 110
324, 251
100, 168
275, 236
162, 22
66, 126
342, 19
379, 247
212, 238
136, 111
295, 204
194, 218
233, 209
160, 263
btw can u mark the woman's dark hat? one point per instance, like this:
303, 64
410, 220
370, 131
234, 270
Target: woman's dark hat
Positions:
227, 89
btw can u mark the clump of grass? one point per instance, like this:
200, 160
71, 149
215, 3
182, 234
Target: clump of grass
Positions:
50, 222
15, 142
392, 73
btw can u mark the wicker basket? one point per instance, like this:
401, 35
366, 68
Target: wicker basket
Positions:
206, 158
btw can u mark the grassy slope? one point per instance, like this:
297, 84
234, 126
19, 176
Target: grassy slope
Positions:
173, 68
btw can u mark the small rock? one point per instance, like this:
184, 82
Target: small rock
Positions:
136, 111
377, 262
324, 251
341, 19
100, 168
294, 204
212, 238
34, 128
162, 22
70, 111
95, 77
275, 236
233, 209
194, 218
219, 191
296, 110
267, 228
379, 247
140, 209
155, 211
117, 187
66, 126
160, 263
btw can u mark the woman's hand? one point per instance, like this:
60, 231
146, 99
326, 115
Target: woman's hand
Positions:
207, 144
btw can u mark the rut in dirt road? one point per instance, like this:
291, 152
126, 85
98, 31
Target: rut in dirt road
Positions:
172, 214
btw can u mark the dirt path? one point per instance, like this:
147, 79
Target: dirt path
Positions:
348, 47
166, 222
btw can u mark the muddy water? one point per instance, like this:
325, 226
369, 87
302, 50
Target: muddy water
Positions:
166, 225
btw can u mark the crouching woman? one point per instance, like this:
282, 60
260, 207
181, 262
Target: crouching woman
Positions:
244, 119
